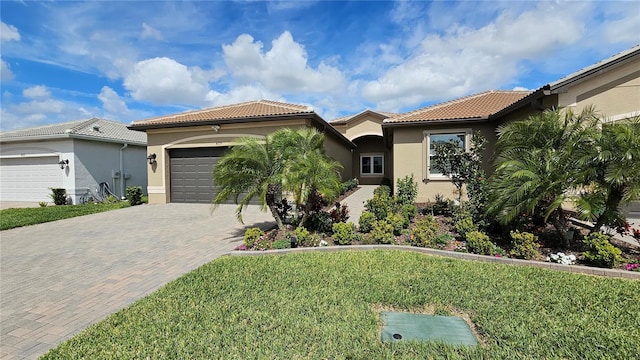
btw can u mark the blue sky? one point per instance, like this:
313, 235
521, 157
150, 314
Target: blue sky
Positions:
129, 60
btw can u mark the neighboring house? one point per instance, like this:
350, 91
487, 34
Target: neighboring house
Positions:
78, 156
186, 146
371, 159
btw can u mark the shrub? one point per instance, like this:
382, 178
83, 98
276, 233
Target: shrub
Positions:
281, 244
349, 185
443, 239
409, 211
380, 205
302, 235
59, 196
464, 225
441, 206
42, 204
262, 243
386, 182
340, 213
397, 222
251, 236
382, 232
367, 218
134, 195
600, 252
524, 245
479, 243
407, 190
319, 221
344, 233
382, 190
424, 232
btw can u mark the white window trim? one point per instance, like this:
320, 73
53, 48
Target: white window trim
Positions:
426, 138
372, 155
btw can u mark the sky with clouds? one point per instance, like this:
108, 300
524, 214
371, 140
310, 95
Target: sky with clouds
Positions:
129, 60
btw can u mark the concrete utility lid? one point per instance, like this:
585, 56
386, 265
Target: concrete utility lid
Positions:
451, 330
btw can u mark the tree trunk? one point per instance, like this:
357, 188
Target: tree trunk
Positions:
610, 207
272, 191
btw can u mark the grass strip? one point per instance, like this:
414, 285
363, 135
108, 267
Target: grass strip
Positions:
322, 306
18, 217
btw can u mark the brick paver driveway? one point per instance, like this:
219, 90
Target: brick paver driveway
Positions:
57, 278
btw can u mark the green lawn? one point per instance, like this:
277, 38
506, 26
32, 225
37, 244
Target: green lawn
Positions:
13, 218
321, 306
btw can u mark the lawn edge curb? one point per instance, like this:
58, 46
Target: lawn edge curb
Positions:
615, 273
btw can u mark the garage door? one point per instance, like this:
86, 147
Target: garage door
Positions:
192, 174
29, 179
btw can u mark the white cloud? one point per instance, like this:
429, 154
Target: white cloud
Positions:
466, 60
8, 32
112, 102
150, 32
283, 68
5, 72
36, 92
166, 81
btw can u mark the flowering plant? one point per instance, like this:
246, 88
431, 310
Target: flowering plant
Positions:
562, 258
633, 267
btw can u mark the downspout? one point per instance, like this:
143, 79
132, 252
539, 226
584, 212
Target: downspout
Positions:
122, 195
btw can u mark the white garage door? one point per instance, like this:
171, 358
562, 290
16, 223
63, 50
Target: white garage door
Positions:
29, 179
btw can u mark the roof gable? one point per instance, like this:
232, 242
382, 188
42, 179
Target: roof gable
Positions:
473, 107
94, 128
246, 110
350, 118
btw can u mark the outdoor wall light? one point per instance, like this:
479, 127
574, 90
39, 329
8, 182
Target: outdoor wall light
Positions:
63, 164
151, 158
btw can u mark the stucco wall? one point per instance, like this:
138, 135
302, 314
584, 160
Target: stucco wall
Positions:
160, 141
95, 163
615, 93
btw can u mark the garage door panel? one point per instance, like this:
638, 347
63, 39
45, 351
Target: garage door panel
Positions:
29, 179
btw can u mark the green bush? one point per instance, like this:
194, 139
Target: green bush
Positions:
365, 223
349, 185
251, 236
441, 206
397, 221
479, 243
59, 196
382, 190
302, 234
319, 221
600, 252
382, 232
464, 225
281, 244
344, 233
380, 205
424, 233
524, 245
407, 190
409, 211
134, 195
443, 239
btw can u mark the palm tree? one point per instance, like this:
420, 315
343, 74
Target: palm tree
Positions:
290, 160
612, 174
253, 168
538, 165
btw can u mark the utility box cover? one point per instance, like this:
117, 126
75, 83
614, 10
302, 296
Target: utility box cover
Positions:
400, 326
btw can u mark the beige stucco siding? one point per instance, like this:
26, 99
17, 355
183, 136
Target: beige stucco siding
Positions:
368, 125
161, 141
615, 93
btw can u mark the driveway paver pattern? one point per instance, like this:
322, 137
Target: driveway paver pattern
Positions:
58, 278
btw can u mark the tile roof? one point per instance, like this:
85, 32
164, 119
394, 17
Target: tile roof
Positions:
346, 119
597, 67
100, 129
251, 109
477, 106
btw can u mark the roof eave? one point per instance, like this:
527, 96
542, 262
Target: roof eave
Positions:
429, 122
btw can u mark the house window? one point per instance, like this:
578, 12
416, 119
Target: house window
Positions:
372, 165
461, 138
